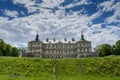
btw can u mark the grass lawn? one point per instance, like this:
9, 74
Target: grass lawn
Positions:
106, 68
8, 77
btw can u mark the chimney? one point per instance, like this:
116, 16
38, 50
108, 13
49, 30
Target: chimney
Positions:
54, 39
73, 39
47, 39
65, 39
69, 42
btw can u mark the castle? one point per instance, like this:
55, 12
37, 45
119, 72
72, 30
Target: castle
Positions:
59, 48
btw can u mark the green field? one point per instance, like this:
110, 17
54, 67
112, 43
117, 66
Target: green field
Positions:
107, 68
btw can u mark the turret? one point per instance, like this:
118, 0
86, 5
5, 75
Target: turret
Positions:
37, 37
82, 38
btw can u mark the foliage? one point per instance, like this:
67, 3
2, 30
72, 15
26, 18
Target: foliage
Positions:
116, 48
107, 49
103, 50
7, 49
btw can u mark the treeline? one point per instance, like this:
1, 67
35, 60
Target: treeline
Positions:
107, 49
7, 49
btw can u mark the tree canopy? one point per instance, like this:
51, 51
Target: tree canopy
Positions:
117, 47
7, 49
107, 49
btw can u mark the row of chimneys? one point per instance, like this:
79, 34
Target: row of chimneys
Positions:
47, 40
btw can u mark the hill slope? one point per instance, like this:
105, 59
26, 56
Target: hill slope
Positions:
60, 68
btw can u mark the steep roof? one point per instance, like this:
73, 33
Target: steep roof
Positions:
57, 41
82, 39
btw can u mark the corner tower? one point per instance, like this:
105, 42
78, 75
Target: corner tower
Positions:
35, 47
83, 47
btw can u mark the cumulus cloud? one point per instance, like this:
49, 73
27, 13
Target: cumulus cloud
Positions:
52, 3
107, 6
29, 4
33, 5
58, 24
76, 3
116, 16
110, 34
11, 13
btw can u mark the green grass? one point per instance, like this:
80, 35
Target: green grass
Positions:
107, 68
8, 77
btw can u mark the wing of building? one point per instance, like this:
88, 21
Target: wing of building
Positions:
59, 48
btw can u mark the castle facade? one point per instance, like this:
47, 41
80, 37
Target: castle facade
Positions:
59, 48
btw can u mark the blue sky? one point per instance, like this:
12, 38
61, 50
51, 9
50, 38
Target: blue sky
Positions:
20, 20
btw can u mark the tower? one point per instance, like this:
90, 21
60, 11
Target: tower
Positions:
83, 47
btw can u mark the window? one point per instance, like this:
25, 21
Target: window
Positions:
85, 44
89, 49
86, 50
78, 45
65, 46
81, 44
89, 45
40, 45
47, 46
82, 50
71, 51
54, 51
66, 51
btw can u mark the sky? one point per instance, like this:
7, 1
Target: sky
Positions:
98, 20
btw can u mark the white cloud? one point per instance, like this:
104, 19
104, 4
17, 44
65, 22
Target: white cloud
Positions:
110, 34
116, 16
78, 3
95, 15
48, 24
51, 3
32, 6
107, 6
11, 13
96, 27
59, 24
3, 20
29, 4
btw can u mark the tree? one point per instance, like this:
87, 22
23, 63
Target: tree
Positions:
1, 43
2, 47
103, 50
116, 48
7, 49
14, 51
